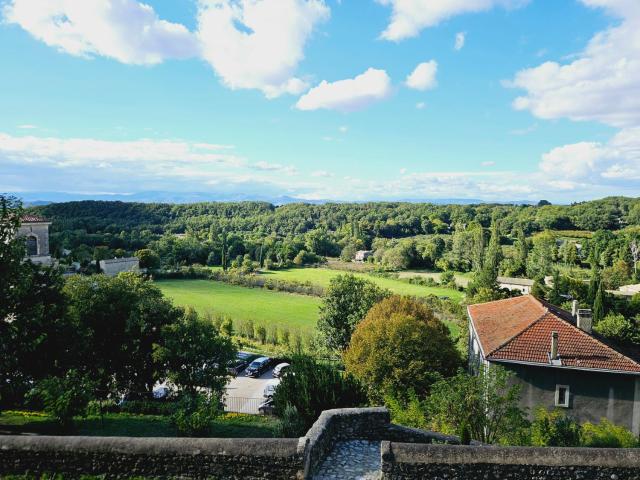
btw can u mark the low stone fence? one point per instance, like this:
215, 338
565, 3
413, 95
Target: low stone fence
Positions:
122, 457
406, 461
359, 423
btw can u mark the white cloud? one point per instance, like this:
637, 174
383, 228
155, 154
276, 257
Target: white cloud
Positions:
322, 173
423, 76
27, 126
83, 152
275, 167
420, 105
488, 164
125, 30
409, 17
343, 129
257, 44
602, 84
348, 95
615, 163
460, 39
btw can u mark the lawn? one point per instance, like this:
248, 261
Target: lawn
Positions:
241, 303
322, 276
231, 425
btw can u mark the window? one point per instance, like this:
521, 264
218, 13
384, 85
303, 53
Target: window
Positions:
32, 246
562, 396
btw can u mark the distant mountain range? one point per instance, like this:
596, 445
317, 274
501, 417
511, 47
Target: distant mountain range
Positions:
45, 198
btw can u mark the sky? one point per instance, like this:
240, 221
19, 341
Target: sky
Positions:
498, 100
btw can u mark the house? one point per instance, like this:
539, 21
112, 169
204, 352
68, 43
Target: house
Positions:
627, 290
116, 265
35, 231
557, 359
523, 285
362, 255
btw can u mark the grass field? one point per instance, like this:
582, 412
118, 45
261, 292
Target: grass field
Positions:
322, 276
231, 425
241, 303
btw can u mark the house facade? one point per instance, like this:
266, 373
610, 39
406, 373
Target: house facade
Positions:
35, 231
116, 265
522, 285
557, 359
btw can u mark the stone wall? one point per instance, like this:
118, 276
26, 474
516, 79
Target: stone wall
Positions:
406, 461
359, 423
120, 457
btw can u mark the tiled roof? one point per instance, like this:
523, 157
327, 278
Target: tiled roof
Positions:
32, 219
524, 338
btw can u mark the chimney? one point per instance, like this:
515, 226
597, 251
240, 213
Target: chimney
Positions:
554, 346
574, 308
584, 320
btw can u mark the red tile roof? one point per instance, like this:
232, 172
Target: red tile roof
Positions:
32, 219
519, 330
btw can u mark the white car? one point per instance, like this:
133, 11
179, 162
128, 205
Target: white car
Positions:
280, 369
270, 389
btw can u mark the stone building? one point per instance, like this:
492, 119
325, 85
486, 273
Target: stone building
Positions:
35, 231
116, 265
363, 255
522, 285
557, 359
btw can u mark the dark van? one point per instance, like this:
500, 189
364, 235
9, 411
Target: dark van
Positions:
258, 367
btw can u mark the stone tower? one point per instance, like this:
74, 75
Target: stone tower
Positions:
35, 231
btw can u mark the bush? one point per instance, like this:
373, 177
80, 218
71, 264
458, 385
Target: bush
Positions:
64, 397
290, 425
410, 412
554, 429
312, 387
607, 435
194, 414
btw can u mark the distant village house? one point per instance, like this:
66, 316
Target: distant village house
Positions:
363, 255
557, 359
522, 285
116, 265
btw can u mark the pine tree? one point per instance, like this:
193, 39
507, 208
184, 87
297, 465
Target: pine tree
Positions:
523, 250
554, 294
598, 304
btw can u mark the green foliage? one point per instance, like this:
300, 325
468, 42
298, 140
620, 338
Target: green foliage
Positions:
598, 304
554, 429
148, 258
192, 354
344, 305
290, 425
195, 413
618, 328
311, 387
64, 397
119, 320
483, 406
607, 435
400, 345
410, 411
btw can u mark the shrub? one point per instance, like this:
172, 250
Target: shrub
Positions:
64, 397
554, 429
410, 412
312, 387
607, 435
194, 414
290, 424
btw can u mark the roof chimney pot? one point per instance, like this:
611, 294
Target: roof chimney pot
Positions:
584, 320
554, 346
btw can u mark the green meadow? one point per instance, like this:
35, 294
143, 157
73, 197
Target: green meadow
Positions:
241, 303
322, 276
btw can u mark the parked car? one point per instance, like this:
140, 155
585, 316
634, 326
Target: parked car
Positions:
161, 393
267, 407
270, 389
235, 367
280, 369
258, 367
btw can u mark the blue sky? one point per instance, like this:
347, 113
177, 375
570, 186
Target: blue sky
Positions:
351, 100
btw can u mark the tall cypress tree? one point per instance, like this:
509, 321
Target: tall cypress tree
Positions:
593, 285
598, 304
